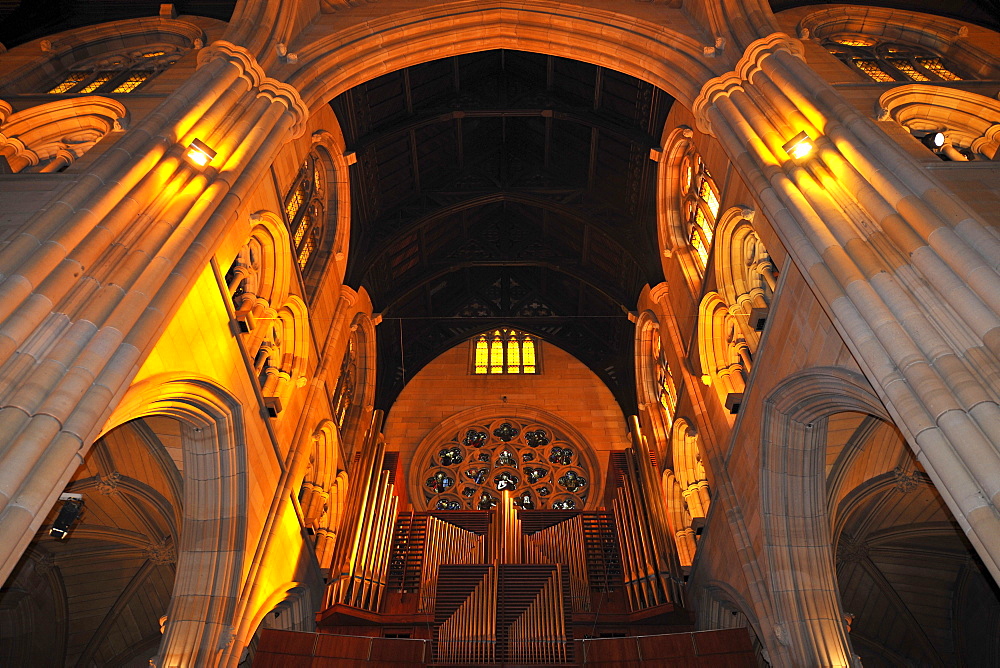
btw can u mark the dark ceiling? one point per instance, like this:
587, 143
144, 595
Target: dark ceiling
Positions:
503, 188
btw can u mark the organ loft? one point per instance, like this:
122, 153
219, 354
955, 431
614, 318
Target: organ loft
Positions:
494, 333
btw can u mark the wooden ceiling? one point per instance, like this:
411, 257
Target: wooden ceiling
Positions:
503, 188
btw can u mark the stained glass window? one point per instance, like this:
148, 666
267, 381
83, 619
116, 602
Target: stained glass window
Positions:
666, 392
505, 351
118, 72
887, 62
305, 210
534, 462
700, 206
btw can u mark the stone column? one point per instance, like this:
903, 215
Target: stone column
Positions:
88, 283
906, 272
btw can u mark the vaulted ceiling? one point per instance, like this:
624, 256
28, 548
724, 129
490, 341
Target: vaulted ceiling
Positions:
503, 188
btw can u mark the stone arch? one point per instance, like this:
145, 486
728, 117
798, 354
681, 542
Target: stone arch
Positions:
809, 626
447, 429
354, 396
690, 470
679, 520
289, 607
260, 275
680, 207
720, 606
49, 137
341, 60
744, 273
59, 52
942, 35
336, 244
655, 386
213, 533
968, 121
724, 352
320, 497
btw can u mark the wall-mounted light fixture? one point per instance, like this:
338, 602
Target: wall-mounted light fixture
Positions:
200, 153
933, 140
69, 513
799, 146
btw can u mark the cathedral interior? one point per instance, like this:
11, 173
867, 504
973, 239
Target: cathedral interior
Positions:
492, 332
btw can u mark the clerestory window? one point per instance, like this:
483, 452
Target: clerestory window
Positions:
699, 205
505, 351
305, 210
888, 62
121, 72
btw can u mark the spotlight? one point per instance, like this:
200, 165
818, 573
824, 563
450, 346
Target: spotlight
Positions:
69, 513
933, 140
200, 153
798, 146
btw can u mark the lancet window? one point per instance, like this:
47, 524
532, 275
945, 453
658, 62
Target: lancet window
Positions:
120, 72
505, 351
666, 392
888, 61
533, 462
305, 210
343, 397
699, 205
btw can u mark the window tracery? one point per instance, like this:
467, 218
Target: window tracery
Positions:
343, 397
699, 205
305, 210
887, 62
120, 72
666, 392
505, 350
534, 462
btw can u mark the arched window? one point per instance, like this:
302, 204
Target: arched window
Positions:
505, 351
885, 61
666, 392
119, 72
305, 210
343, 397
532, 461
699, 205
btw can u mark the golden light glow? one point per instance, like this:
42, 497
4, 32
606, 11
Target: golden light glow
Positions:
799, 146
199, 153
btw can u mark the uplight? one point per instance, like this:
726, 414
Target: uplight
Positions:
199, 153
799, 146
933, 140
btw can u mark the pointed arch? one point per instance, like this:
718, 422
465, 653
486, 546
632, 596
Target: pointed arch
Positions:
687, 206
744, 272
689, 468
354, 394
203, 605
655, 385
968, 121
725, 355
333, 251
795, 518
679, 520
50, 137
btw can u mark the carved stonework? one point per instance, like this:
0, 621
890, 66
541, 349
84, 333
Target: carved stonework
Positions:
905, 481
161, 553
851, 550
108, 484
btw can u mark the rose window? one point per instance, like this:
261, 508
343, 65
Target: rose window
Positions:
533, 462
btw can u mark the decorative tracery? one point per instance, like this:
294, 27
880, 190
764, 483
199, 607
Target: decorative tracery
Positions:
666, 392
305, 209
121, 72
699, 205
505, 351
888, 62
532, 461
